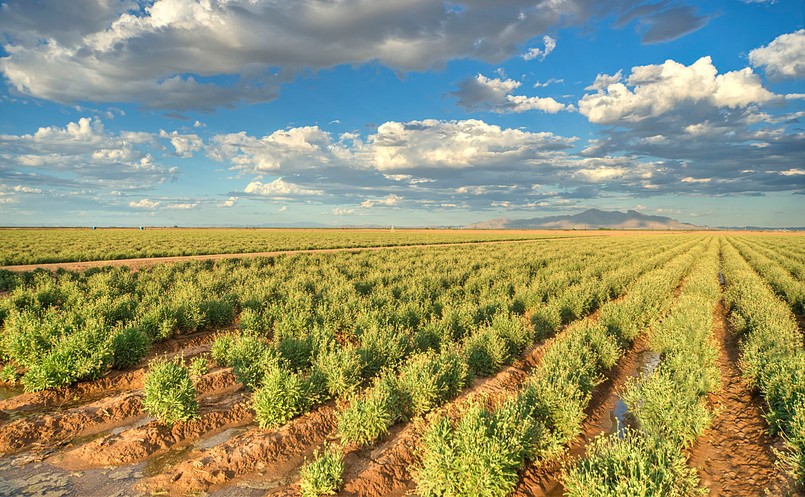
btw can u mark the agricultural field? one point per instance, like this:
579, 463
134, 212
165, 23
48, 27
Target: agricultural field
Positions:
634, 365
48, 245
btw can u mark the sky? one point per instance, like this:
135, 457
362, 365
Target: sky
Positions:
399, 112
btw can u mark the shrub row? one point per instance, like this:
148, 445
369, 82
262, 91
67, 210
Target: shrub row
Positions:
667, 403
772, 356
483, 451
780, 279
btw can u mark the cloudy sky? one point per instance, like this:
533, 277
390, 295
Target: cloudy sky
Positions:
404, 112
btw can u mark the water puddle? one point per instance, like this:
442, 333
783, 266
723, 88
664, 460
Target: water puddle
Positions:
158, 464
620, 418
220, 438
7, 391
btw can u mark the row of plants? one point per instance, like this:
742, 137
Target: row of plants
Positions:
482, 451
292, 374
772, 358
37, 246
780, 279
790, 247
792, 262
64, 327
667, 404
400, 397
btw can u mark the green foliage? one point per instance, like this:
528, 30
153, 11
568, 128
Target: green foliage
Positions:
341, 368
198, 367
636, 465
324, 474
368, 418
283, 396
129, 346
169, 392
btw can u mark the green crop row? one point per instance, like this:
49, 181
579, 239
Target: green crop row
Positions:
482, 452
772, 355
790, 261
37, 246
668, 404
780, 279
314, 367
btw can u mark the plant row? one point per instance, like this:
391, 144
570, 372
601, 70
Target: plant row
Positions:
791, 261
482, 452
37, 246
434, 358
780, 279
668, 404
772, 356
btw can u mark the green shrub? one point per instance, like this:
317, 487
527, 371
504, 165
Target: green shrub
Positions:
129, 346
633, 466
368, 418
283, 396
296, 351
341, 368
169, 392
198, 367
486, 352
546, 320
221, 350
428, 380
324, 474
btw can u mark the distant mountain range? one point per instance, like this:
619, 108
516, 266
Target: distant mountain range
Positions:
590, 219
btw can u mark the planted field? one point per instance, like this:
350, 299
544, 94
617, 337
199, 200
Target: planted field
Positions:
47, 245
643, 364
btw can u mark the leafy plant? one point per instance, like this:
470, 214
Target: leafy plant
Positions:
324, 474
169, 392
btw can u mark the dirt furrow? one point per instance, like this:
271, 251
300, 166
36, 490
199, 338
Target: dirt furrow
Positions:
255, 450
96, 417
543, 479
734, 457
114, 382
140, 442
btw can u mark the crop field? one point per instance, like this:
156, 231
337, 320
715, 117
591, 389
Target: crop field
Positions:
36, 246
579, 364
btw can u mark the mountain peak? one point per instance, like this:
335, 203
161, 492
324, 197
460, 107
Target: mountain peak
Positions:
590, 219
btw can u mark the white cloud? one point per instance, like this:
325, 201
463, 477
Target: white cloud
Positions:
199, 124
455, 145
144, 204
230, 202
784, 57
184, 145
307, 146
495, 94
338, 211
541, 53
549, 82
602, 81
663, 88
183, 206
793, 172
158, 55
387, 201
278, 188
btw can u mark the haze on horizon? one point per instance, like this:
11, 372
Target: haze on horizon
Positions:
400, 112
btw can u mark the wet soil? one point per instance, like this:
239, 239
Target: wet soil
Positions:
735, 457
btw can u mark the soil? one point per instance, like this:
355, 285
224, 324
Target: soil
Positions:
274, 452
735, 457
53, 429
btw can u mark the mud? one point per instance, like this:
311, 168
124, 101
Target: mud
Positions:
26, 403
52, 429
735, 457
138, 443
276, 452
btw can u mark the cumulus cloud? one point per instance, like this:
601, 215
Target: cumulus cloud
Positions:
784, 57
144, 204
84, 153
278, 188
495, 94
541, 53
663, 88
168, 53
185, 145
387, 201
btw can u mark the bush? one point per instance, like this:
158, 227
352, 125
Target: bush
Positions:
486, 352
129, 346
198, 367
169, 392
283, 396
340, 368
428, 380
323, 475
368, 418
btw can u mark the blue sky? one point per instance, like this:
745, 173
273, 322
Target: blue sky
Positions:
403, 112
